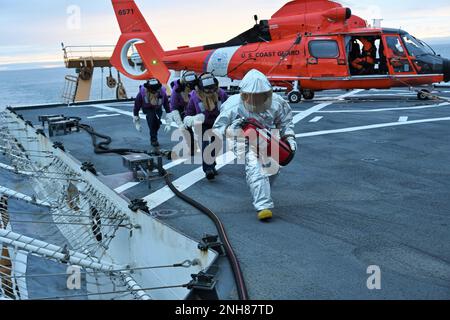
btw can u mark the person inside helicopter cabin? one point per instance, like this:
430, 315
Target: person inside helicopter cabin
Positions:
363, 59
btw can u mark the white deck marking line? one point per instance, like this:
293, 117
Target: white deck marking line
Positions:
130, 114
403, 119
165, 194
126, 113
400, 94
174, 164
104, 116
324, 98
388, 109
315, 119
126, 186
299, 117
130, 185
370, 127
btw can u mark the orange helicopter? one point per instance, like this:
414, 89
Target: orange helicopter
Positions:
307, 46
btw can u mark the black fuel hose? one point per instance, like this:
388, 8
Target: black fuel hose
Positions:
238, 275
103, 148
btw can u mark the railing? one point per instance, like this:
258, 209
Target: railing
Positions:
70, 89
123, 254
87, 52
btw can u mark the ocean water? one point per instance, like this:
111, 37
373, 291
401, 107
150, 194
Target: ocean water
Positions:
46, 85
40, 86
442, 49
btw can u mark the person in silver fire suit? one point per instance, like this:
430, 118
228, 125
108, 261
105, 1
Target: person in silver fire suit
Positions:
257, 101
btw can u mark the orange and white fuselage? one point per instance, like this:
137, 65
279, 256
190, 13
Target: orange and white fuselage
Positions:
279, 47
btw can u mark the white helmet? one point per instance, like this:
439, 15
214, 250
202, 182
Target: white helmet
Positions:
256, 92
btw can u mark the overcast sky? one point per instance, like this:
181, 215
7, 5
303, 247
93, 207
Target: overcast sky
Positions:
32, 30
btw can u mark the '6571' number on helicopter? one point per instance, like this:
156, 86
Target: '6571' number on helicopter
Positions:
125, 12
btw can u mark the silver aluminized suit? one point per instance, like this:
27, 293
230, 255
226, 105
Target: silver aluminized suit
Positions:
278, 116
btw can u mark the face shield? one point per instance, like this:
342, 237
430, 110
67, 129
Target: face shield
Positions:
257, 102
153, 86
256, 92
190, 80
208, 85
208, 91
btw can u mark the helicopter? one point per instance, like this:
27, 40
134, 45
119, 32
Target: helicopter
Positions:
306, 46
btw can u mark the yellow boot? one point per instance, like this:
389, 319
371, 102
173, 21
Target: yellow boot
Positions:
265, 215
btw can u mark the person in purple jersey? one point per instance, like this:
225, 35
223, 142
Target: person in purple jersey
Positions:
181, 92
153, 101
203, 108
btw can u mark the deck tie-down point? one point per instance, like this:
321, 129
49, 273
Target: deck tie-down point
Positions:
139, 204
203, 286
89, 166
211, 242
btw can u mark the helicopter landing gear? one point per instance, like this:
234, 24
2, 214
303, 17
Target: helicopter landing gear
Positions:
308, 94
295, 97
423, 94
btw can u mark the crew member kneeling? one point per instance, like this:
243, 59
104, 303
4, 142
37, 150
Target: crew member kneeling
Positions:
257, 102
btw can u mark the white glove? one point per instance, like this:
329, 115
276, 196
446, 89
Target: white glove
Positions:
137, 123
164, 116
176, 116
169, 120
190, 122
292, 144
235, 129
237, 124
200, 118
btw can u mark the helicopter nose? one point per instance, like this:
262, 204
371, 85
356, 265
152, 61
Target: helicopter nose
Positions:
446, 70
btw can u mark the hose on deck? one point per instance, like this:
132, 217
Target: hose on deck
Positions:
103, 148
235, 265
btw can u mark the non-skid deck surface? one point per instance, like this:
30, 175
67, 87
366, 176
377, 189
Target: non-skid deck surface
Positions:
369, 186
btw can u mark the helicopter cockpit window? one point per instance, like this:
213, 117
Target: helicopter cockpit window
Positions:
324, 49
424, 58
397, 55
415, 47
395, 46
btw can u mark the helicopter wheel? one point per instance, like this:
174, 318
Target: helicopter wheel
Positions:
295, 97
308, 94
423, 95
